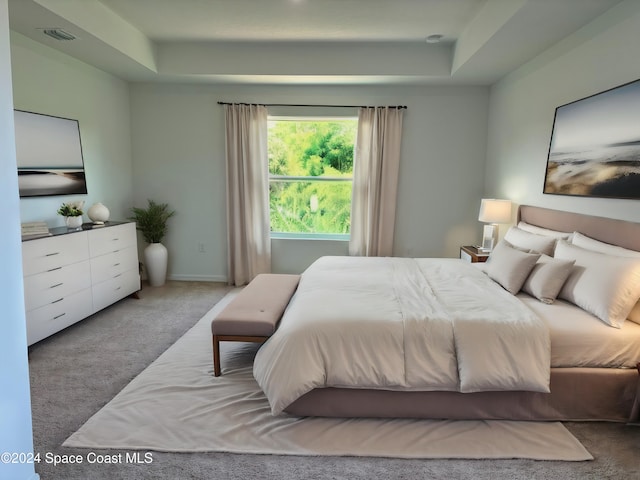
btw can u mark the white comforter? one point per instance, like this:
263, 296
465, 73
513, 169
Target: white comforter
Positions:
402, 324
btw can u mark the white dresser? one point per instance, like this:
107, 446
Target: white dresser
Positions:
73, 274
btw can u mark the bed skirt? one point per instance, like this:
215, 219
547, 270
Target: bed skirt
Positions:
576, 394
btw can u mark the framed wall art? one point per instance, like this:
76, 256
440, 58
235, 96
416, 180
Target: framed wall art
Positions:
49, 155
595, 146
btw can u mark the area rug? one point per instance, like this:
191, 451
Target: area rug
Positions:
177, 405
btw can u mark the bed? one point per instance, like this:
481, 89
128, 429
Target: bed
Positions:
368, 353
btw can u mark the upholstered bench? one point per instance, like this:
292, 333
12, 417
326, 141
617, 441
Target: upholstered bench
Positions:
253, 315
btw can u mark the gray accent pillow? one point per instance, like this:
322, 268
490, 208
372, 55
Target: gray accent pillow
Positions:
510, 267
606, 286
530, 241
547, 278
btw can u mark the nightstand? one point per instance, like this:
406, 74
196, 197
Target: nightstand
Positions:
473, 254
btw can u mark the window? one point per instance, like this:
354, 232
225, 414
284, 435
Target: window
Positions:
311, 176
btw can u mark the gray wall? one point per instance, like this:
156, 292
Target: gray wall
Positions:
47, 81
166, 142
178, 152
599, 56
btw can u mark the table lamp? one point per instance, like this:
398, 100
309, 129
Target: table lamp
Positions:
493, 212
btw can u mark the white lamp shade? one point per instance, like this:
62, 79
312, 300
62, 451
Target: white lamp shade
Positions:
495, 211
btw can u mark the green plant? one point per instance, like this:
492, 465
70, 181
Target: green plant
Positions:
71, 209
152, 221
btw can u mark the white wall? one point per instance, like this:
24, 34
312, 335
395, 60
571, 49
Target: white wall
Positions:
599, 56
178, 152
15, 401
47, 81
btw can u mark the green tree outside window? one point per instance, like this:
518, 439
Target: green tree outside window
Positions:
311, 171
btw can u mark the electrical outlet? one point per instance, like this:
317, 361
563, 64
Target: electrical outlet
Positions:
201, 248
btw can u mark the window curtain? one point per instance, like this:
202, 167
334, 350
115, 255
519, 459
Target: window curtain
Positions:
248, 242
375, 181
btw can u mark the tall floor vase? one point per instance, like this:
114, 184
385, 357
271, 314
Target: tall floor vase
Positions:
155, 261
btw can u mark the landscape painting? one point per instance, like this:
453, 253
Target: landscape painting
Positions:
49, 155
595, 146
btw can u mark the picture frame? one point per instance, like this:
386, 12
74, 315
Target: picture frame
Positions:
594, 149
49, 155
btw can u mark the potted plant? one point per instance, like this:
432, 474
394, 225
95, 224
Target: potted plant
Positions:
152, 223
72, 213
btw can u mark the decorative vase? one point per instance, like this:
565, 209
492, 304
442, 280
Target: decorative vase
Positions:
73, 222
98, 213
155, 260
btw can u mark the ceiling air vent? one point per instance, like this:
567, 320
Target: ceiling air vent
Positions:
58, 34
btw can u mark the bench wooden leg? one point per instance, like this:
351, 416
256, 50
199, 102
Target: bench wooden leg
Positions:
229, 338
216, 356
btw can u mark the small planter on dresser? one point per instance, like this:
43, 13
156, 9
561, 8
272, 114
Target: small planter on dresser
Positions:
73, 274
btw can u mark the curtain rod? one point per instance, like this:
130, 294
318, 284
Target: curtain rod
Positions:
302, 105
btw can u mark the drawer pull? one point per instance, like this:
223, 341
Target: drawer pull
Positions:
118, 275
56, 285
118, 288
52, 254
54, 269
59, 300
116, 239
116, 264
58, 316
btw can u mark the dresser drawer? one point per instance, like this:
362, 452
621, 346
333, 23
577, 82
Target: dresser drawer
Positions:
112, 238
113, 264
47, 320
110, 291
43, 288
44, 254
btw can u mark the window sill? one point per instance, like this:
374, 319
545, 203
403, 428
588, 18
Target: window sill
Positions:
341, 237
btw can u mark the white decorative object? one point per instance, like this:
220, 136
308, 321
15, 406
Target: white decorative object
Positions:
155, 260
73, 222
98, 213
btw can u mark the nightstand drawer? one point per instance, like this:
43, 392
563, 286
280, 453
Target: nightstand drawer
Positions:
472, 254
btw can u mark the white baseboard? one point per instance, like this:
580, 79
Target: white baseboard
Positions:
198, 278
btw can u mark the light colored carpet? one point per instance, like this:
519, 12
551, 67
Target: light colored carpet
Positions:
176, 405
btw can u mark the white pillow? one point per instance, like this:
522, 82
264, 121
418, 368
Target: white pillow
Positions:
589, 243
547, 278
594, 245
527, 227
510, 267
530, 241
634, 314
606, 286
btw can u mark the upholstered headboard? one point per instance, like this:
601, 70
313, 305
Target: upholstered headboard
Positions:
609, 230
